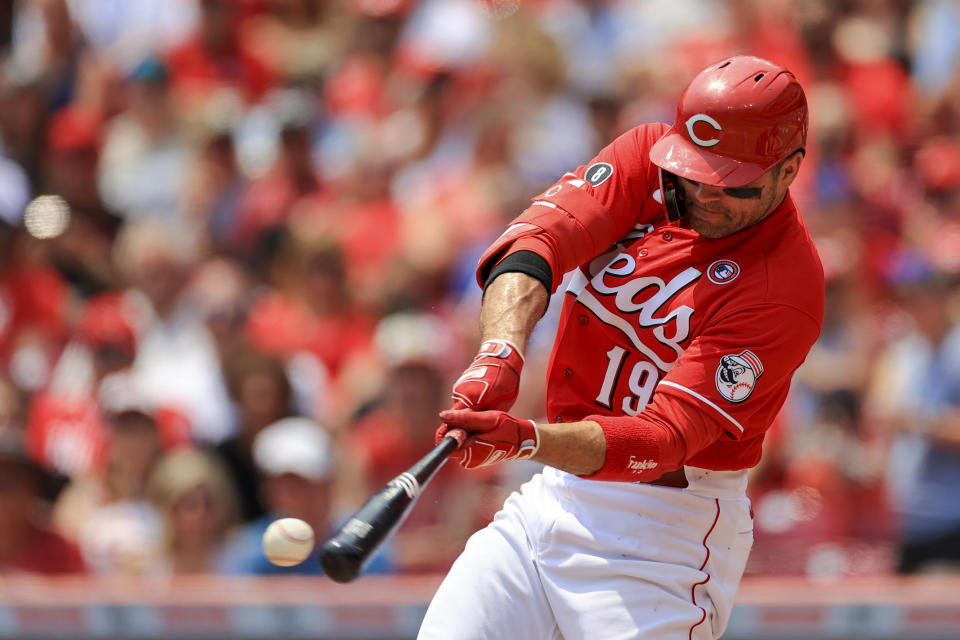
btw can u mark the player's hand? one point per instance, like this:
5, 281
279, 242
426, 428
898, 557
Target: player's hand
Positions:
492, 436
492, 380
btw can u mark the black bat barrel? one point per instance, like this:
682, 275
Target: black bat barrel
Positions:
346, 554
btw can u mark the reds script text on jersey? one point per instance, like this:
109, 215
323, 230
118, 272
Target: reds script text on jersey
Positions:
701, 333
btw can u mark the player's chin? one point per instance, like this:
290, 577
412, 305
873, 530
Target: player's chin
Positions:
711, 228
709, 223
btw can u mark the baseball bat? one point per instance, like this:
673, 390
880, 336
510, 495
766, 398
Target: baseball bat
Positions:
349, 550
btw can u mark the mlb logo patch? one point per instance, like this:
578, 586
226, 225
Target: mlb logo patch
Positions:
723, 271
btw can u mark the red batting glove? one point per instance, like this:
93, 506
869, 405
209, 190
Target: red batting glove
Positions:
492, 380
493, 436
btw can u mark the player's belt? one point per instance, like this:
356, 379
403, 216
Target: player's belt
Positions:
676, 479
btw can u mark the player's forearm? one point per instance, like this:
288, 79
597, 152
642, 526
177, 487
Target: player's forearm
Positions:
512, 305
624, 448
574, 447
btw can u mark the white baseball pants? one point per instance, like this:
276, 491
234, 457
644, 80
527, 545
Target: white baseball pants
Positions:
580, 559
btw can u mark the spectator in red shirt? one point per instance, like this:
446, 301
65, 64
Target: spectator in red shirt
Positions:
312, 311
33, 306
27, 544
66, 428
291, 181
216, 57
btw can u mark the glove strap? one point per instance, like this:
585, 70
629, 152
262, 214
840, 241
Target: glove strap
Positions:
498, 348
528, 448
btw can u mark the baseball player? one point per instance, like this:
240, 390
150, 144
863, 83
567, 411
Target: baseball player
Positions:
695, 294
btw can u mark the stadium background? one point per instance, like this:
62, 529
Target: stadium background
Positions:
216, 215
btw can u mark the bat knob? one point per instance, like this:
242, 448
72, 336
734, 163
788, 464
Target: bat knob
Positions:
339, 562
457, 434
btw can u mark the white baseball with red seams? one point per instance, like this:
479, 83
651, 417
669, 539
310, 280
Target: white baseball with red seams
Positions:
288, 541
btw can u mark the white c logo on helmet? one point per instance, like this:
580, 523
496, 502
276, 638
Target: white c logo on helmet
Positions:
702, 117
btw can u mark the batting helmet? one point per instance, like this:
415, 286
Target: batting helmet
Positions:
735, 120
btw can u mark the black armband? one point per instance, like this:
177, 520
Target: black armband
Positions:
526, 262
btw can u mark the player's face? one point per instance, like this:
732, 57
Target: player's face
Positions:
717, 212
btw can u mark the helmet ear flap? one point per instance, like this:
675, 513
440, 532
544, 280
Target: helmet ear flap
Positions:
672, 196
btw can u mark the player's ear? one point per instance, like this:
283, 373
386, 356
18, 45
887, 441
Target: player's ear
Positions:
789, 167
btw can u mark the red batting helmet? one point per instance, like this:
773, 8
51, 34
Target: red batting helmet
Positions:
735, 120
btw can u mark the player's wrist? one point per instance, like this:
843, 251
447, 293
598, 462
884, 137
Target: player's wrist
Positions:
492, 381
529, 440
500, 348
574, 447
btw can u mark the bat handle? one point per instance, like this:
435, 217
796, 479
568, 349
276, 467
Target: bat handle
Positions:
457, 435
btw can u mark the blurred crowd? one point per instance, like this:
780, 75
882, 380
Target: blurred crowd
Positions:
237, 242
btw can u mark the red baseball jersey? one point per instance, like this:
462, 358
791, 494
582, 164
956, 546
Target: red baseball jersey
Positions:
665, 324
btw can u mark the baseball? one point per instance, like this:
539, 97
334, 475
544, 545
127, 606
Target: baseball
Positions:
287, 541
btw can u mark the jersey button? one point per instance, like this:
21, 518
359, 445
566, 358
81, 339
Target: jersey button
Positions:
642, 252
584, 320
568, 373
559, 418
667, 236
